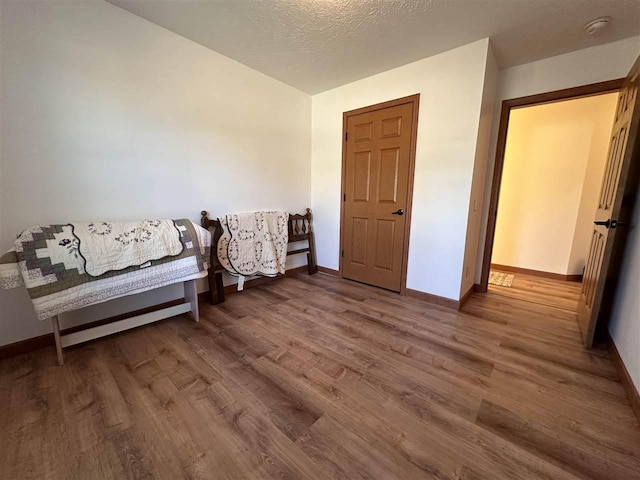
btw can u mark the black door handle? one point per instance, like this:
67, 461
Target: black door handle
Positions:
610, 223
398, 212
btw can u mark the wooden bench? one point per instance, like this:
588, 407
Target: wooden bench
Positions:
300, 229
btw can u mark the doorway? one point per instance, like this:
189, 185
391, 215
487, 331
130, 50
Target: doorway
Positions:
555, 159
616, 197
518, 107
378, 160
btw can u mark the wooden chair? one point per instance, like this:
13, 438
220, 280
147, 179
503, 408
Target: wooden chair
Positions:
300, 229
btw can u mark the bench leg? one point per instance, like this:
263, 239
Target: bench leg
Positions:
191, 295
312, 264
56, 334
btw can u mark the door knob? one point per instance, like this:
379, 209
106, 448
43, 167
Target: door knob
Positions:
610, 223
605, 224
398, 212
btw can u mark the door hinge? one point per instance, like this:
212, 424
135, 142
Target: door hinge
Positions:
345, 136
342, 253
344, 197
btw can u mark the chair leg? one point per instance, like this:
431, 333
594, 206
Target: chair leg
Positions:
216, 287
56, 334
310, 264
311, 256
212, 287
219, 298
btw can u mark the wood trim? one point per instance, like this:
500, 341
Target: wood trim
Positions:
625, 378
47, 340
435, 299
25, 346
466, 297
415, 100
329, 271
493, 199
410, 181
382, 105
568, 93
538, 99
537, 273
112, 328
343, 174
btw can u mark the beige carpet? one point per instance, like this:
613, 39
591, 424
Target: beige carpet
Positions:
501, 279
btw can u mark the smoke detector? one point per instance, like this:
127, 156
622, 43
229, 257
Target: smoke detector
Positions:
596, 25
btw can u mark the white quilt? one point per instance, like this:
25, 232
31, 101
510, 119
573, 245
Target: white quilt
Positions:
254, 243
112, 246
46, 261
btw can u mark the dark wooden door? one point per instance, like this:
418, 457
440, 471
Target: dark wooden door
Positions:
617, 194
376, 187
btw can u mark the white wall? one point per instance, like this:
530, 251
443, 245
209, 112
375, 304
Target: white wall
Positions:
107, 116
624, 325
479, 172
451, 88
582, 67
554, 161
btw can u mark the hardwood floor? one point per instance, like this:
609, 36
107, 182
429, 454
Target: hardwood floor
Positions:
316, 378
555, 293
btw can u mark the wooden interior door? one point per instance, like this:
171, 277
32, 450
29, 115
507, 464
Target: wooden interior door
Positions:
617, 195
377, 171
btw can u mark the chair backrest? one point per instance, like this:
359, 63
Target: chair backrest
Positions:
215, 228
299, 226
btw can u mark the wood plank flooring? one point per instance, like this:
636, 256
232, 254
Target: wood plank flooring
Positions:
314, 377
546, 291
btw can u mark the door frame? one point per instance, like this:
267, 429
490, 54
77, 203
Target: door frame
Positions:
415, 101
538, 99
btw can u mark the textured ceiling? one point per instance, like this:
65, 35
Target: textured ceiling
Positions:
316, 45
